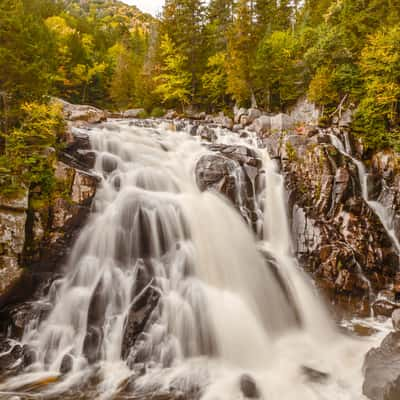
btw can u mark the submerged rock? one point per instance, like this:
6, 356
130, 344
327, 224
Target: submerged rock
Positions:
248, 387
314, 375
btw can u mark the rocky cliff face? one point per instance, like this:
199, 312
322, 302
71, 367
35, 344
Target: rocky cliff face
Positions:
337, 235
35, 237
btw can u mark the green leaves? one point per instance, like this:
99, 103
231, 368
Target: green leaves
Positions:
377, 119
173, 81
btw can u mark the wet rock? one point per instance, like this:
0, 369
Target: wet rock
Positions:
233, 171
83, 187
9, 360
77, 153
333, 227
314, 375
67, 364
385, 307
248, 387
206, 133
382, 369
237, 128
137, 319
193, 130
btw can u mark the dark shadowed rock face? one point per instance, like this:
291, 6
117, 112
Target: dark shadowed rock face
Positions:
235, 172
336, 235
385, 182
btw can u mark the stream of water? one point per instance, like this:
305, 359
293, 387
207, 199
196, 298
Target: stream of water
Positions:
223, 316
382, 212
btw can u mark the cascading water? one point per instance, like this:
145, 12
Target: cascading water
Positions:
383, 213
218, 313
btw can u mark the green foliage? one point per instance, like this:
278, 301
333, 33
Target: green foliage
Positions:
277, 68
377, 118
157, 112
214, 79
27, 159
173, 81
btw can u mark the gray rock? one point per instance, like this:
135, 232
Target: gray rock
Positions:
12, 232
238, 112
85, 113
305, 112
396, 319
253, 114
19, 202
262, 125
382, 369
133, 113
314, 375
206, 133
248, 387
170, 114
282, 123
83, 187
10, 275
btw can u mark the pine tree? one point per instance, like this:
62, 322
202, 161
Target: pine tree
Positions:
239, 54
174, 81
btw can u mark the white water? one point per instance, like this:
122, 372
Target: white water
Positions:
382, 212
222, 311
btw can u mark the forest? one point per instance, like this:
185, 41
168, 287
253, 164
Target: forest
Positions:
206, 56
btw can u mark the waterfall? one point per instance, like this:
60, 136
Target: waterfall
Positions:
214, 304
381, 211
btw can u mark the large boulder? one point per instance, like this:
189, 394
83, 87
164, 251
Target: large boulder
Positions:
282, 123
235, 172
382, 370
262, 126
253, 114
81, 113
224, 121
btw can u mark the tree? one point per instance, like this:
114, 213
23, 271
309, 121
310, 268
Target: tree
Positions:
183, 21
239, 55
174, 81
215, 79
378, 115
278, 71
